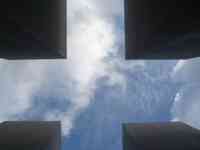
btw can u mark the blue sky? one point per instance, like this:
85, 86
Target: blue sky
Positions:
95, 90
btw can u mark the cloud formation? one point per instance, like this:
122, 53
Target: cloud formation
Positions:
39, 89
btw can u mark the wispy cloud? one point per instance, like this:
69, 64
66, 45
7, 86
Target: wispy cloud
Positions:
91, 37
63, 89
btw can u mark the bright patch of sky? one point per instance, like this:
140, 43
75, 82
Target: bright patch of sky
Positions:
95, 90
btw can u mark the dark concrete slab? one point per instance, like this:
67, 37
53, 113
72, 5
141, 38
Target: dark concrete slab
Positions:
162, 29
33, 29
160, 136
30, 136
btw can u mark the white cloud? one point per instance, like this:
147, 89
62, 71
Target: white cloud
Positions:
90, 38
108, 9
187, 100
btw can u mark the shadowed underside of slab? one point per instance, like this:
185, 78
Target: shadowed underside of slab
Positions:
160, 136
30, 136
33, 29
162, 29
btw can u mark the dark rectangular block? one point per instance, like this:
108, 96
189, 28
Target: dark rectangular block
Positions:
33, 29
30, 135
160, 136
162, 29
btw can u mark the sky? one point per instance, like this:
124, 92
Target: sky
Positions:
95, 89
